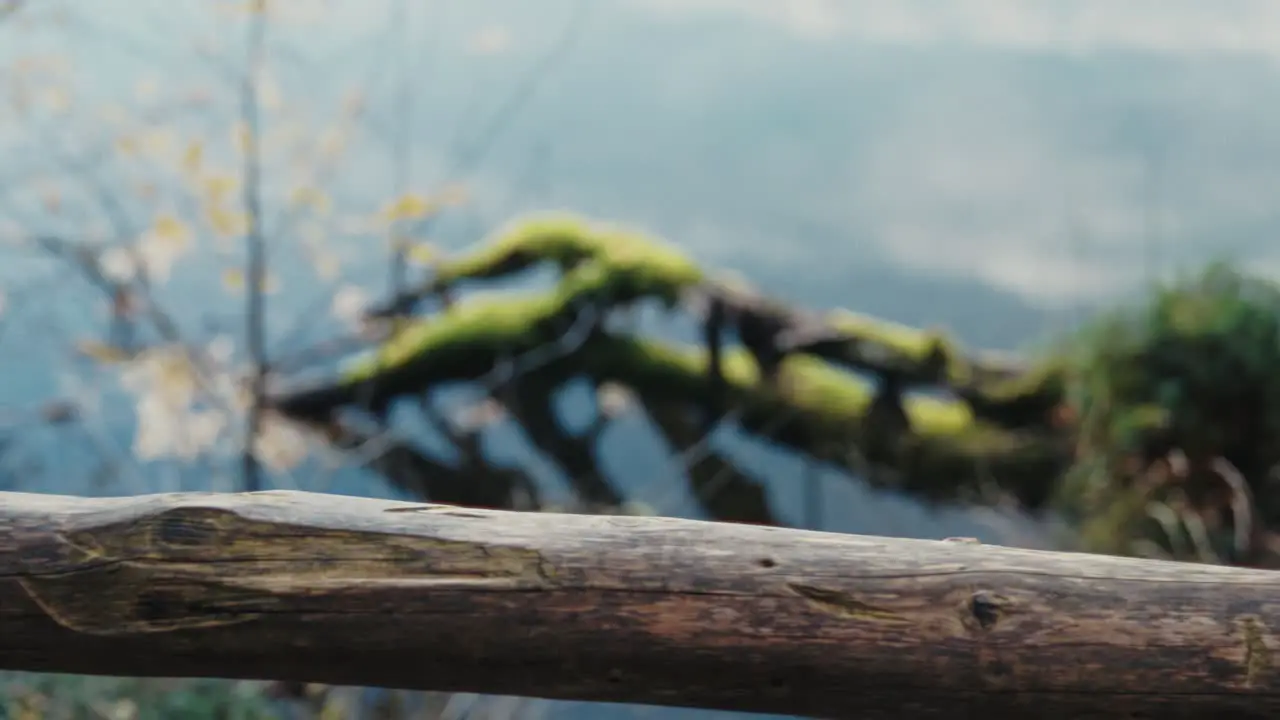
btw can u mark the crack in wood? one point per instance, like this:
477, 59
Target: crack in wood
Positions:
842, 604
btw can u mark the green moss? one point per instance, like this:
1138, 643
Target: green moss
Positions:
560, 238
498, 325
835, 400
1021, 395
912, 343
568, 241
605, 266
629, 273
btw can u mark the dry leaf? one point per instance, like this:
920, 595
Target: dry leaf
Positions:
326, 264
422, 253
233, 280
168, 227
127, 146
162, 245
102, 352
159, 143
409, 206
217, 187
227, 223
311, 197
413, 206
193, 157
241, 136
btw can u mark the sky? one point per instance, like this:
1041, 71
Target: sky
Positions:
1060, 150
999, 154
1246, 27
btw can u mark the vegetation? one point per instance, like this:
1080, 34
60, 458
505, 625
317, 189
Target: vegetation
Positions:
28, 696
1177, 417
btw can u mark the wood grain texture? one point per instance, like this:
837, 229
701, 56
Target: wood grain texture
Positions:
324, 588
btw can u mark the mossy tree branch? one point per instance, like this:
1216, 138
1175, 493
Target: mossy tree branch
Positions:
532, 403
724, 491
625, 265
822, 409
409, 468
999, 433
818, 410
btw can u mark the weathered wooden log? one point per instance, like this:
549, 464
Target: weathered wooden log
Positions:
299, 586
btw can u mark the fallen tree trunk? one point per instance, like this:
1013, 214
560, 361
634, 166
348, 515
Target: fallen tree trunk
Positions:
342, 590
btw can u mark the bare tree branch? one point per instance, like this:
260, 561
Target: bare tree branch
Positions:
256, 268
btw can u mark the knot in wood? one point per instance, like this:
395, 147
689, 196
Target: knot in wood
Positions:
173, 533
190, 527
986, 608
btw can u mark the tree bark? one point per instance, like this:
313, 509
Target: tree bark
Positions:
343, 590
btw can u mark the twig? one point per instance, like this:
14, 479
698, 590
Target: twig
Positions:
1242, 505
402, 146
255, 271
463, 162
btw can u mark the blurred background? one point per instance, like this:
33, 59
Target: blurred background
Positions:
238, 179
